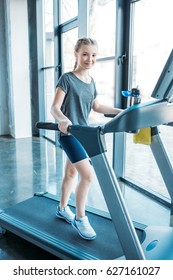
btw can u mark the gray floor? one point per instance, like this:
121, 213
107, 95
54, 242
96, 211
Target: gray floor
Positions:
33, 165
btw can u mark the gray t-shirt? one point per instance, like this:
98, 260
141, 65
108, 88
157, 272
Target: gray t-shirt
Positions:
79, 98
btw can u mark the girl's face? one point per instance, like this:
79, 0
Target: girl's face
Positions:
86, 56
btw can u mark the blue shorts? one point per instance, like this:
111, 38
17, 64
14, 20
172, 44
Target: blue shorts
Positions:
73, 148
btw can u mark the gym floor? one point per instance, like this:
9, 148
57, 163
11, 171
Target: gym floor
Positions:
33, 165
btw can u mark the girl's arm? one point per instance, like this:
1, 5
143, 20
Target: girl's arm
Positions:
63, 121
105, 109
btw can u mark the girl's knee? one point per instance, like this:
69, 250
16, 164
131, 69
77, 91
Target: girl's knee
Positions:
70, 171
85, 170
87, 175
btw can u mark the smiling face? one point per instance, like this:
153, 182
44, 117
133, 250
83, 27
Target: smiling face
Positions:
86, 56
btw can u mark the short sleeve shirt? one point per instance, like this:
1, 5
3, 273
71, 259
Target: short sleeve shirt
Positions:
79, 98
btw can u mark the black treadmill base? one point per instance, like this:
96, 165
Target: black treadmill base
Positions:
35, 220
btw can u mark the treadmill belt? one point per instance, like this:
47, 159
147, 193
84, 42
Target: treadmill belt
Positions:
34, 220
37, 216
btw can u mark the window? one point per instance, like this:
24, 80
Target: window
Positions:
152, 44
69, 39
102, 25
102, 29
48, 68
48, 33
69, 9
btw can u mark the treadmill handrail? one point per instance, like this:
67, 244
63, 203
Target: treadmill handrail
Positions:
148, 114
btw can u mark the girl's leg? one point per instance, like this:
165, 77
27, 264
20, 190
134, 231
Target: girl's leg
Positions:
68, 183
86, 174
81, 223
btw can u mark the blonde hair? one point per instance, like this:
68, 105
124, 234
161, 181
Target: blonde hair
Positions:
84, 41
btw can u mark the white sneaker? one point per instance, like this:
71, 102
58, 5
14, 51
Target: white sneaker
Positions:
66, 214
84, 228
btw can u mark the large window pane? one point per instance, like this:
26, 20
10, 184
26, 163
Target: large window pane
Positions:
102, 29
48, 33
153, 42
102, 25
68, 42
141, 167
69, 9
104, 85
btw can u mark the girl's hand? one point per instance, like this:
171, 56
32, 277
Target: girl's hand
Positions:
63, 125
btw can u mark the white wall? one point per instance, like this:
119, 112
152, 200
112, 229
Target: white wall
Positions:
20, 101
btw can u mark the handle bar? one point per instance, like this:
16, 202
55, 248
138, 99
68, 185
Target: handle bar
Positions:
47, 125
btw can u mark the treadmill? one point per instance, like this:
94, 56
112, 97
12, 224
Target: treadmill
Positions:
118, 237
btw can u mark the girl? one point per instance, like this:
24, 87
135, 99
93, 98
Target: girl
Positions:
75, 96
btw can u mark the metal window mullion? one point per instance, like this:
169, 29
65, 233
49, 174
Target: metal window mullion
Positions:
121, 78
83, 17
68, 25
40, 59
